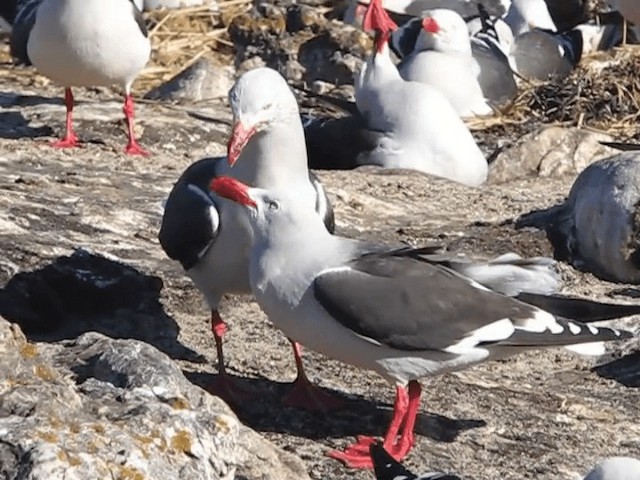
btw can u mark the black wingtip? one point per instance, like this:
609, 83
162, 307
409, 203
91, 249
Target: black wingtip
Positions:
581, 309
385, 466
622, 146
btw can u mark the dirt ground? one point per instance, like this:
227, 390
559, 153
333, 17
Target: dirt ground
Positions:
542, 415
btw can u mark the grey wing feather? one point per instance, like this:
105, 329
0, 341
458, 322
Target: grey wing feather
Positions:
496, 77
137, 15
400, 302
23, 23
324, 208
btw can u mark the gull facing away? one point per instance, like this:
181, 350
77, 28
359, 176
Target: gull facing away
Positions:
384, 309
210, 237
84, 43
418, 128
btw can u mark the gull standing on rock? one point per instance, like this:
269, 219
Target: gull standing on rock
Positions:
385, 310
84, 43
419, 128
210, 237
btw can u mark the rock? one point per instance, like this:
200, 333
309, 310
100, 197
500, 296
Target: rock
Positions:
549, 152
87, 292
301, 44
95, 407
598, 227
203, 80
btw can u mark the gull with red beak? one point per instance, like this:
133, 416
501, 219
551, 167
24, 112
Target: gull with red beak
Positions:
389, 310
209, 236
419, 129
443, 57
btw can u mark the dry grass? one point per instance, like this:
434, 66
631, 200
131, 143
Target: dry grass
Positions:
181, 37
602, 94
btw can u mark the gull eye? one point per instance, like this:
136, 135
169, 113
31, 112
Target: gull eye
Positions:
273, 206
268, 106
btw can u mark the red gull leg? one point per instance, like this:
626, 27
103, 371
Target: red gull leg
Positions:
305, 394
70, 139
407, 437
132, 148
223, 385
357, 455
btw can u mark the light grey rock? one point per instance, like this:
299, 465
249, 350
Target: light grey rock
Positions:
95, 407
598, 227
616, 468
203, 80
549, 152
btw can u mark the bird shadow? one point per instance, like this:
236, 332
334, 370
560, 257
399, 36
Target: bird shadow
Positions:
87, 292
12, 99
357, 415
624, 370
13, 125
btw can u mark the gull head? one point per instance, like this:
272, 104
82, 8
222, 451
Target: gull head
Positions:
443, 30
273, 214
259, 99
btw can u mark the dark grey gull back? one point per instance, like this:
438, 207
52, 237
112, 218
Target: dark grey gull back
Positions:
541, 54
24, 19
189, 224
8, 10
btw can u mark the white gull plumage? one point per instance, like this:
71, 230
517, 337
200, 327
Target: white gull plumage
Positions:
419, 128
84, 43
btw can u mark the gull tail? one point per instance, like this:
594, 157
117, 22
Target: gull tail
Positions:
545, 330
580, 309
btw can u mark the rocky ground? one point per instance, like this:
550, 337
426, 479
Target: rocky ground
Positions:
543, 415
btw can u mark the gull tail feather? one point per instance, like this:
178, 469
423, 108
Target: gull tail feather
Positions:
580, 309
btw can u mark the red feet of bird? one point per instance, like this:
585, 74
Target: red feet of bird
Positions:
305, 394
399, 439
70, 139
133, 147
223, 385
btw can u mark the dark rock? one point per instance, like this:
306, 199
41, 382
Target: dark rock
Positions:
598, 227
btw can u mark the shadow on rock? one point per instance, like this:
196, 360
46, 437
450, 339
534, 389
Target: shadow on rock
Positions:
357, 416
624, 370
13, 126
86, 292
